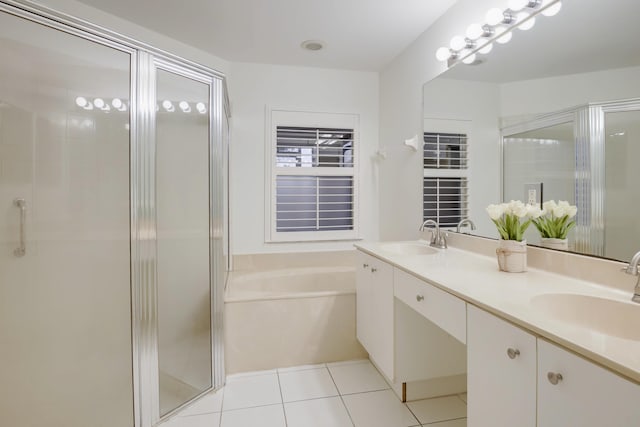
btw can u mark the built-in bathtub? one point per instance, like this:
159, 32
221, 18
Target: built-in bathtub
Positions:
278, 316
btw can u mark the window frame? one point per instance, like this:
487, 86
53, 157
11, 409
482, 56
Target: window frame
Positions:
313, 119
448, 126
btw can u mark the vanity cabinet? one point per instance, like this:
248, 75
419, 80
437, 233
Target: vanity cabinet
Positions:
501, 372
575, 392
514, 379
374, 310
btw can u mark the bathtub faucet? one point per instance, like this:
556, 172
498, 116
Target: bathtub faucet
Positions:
438, 240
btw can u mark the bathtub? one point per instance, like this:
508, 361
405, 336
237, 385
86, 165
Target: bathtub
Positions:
303, 315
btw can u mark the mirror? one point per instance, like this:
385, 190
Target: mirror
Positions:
552, 115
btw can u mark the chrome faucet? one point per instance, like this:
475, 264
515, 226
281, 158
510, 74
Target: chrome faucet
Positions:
464, 222
632, 269
438, 240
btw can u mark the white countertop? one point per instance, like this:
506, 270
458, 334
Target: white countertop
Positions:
477, 280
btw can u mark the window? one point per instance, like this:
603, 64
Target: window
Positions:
445, 185
313, 184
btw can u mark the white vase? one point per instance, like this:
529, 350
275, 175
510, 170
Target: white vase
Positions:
512, 256
551, 243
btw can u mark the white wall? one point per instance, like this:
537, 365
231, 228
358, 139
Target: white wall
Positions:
127, 28
401, 116
555, 93
254, 88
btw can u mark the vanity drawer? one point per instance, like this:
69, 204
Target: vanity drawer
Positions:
440, 307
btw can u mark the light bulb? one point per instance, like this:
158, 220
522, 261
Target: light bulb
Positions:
99, 103
475, 31
552, 10
457, 43
184, 106
89, 106
201, 107
469, 59
117, 103
167, 105
443, 54
505, 38
81, 101
486, 48
517, 5
494, 16
528, 24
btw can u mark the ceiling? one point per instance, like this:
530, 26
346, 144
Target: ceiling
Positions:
359, 34
587, 35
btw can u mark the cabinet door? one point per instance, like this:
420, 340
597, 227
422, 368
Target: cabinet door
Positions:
364, 301
501, 372
382, 314
587, 395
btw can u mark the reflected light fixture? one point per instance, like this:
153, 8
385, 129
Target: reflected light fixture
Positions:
201, 107
168, 105
184, 106
498, 27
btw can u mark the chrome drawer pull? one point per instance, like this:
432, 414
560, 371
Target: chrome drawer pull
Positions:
554, 378
419, 298
21, 250
513, 353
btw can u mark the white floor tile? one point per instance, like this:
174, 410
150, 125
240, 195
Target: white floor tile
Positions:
455, 423
463, 396
211, 402
379, 409
438, 409
263, 416
329, 412
202, 420
247, 392
357, 377
301, 368
304, 385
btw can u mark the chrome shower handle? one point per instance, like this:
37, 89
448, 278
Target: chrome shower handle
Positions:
21, 250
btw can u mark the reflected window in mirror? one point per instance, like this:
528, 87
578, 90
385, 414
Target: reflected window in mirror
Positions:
445, 184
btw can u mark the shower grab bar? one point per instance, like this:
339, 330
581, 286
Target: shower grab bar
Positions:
21, 250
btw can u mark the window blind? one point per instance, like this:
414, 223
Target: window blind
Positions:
445, 184
322, 197
445, 150
445, 200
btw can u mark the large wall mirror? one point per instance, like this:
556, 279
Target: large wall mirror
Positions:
557, 109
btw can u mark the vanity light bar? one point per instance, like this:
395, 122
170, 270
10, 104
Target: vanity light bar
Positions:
498, 27
116, 104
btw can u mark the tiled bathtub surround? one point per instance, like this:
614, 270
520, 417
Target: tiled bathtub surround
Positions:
344, 394
289, 310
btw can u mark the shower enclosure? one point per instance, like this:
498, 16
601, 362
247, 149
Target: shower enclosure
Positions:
112, 227
585, 155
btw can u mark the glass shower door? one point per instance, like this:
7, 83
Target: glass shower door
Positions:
65, 307
184, 268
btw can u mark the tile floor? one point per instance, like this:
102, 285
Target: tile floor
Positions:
344, 394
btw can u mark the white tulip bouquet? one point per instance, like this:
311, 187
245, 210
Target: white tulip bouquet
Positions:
556, 220
512, 219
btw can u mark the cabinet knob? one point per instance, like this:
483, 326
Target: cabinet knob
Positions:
419, 298
554, 378
513, 353
365, 265
373, 269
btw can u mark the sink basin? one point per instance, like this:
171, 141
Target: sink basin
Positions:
606, 316
408, 248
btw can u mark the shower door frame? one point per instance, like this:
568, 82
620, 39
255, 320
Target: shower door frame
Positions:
144, 59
